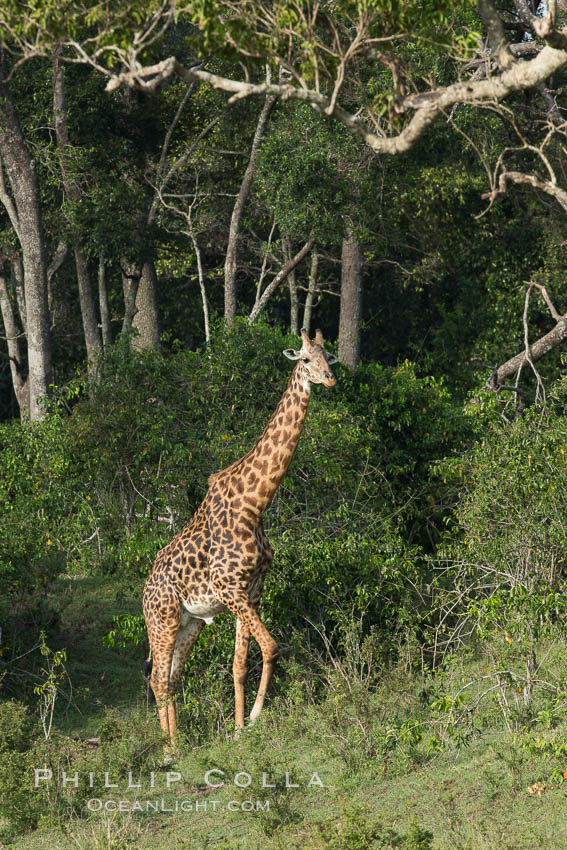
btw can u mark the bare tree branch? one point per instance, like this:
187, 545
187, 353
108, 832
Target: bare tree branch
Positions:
244, 191
427, 106
8, 202
546, 186
164, 152
279, 278
19, 382
546, 298
532, 353
540, 390
57, 260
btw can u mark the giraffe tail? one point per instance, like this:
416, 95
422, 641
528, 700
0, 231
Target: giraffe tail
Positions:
148, 664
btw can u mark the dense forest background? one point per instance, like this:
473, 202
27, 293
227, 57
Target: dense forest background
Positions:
159, 247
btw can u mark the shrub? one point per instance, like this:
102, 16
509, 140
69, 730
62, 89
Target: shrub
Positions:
511, 551
128, 744
502, 580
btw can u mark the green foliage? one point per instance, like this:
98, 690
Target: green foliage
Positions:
355, 831
501, 583
29, 799
382, 554
349, 525
511, 519
36, 496
339, 529
306, 172
123, 472
53, 676
292, 30
17, 727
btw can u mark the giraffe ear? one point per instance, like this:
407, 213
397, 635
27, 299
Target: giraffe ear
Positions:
331, 358
291, 353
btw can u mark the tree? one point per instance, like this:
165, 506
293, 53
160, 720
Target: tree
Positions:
351, 301
327, 53
282, 275
72, 191
15, 354
230, 266
330, 54
314, 177
538, 130
21, 199
146, 317
334, 59
391, 66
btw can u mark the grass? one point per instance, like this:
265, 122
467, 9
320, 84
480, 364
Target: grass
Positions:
462, 794
102, 676
473, 800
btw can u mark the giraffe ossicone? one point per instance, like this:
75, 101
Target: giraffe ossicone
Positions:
220, 559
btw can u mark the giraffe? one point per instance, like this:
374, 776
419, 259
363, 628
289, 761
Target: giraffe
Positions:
220, 559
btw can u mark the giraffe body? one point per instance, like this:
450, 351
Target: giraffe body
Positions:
219, 561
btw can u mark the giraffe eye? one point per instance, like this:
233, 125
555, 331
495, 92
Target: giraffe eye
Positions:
305, 359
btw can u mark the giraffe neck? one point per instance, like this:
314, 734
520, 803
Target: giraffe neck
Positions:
259, 473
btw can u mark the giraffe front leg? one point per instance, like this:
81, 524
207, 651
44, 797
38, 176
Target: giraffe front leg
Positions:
239, 671
270, 656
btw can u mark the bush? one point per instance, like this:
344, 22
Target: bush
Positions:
511, 552
502, 570
128, 744
36, 499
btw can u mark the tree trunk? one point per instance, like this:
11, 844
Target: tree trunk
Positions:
536, 351
231, 249
17, 281
147, 304
13, 335
200, 274
308, 309
351, 301
57, 261
22, 204
293, 299
88, 312
130, 283
86, 298
146, 318
106, 327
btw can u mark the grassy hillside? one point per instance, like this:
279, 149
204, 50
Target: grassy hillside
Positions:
417, 594
379, 766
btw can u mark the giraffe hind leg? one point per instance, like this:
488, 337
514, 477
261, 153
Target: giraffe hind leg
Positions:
239, 671
162, 622
189, 630
148, 664
159, 682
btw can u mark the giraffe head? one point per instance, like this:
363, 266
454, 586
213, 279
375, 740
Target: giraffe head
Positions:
314, 360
